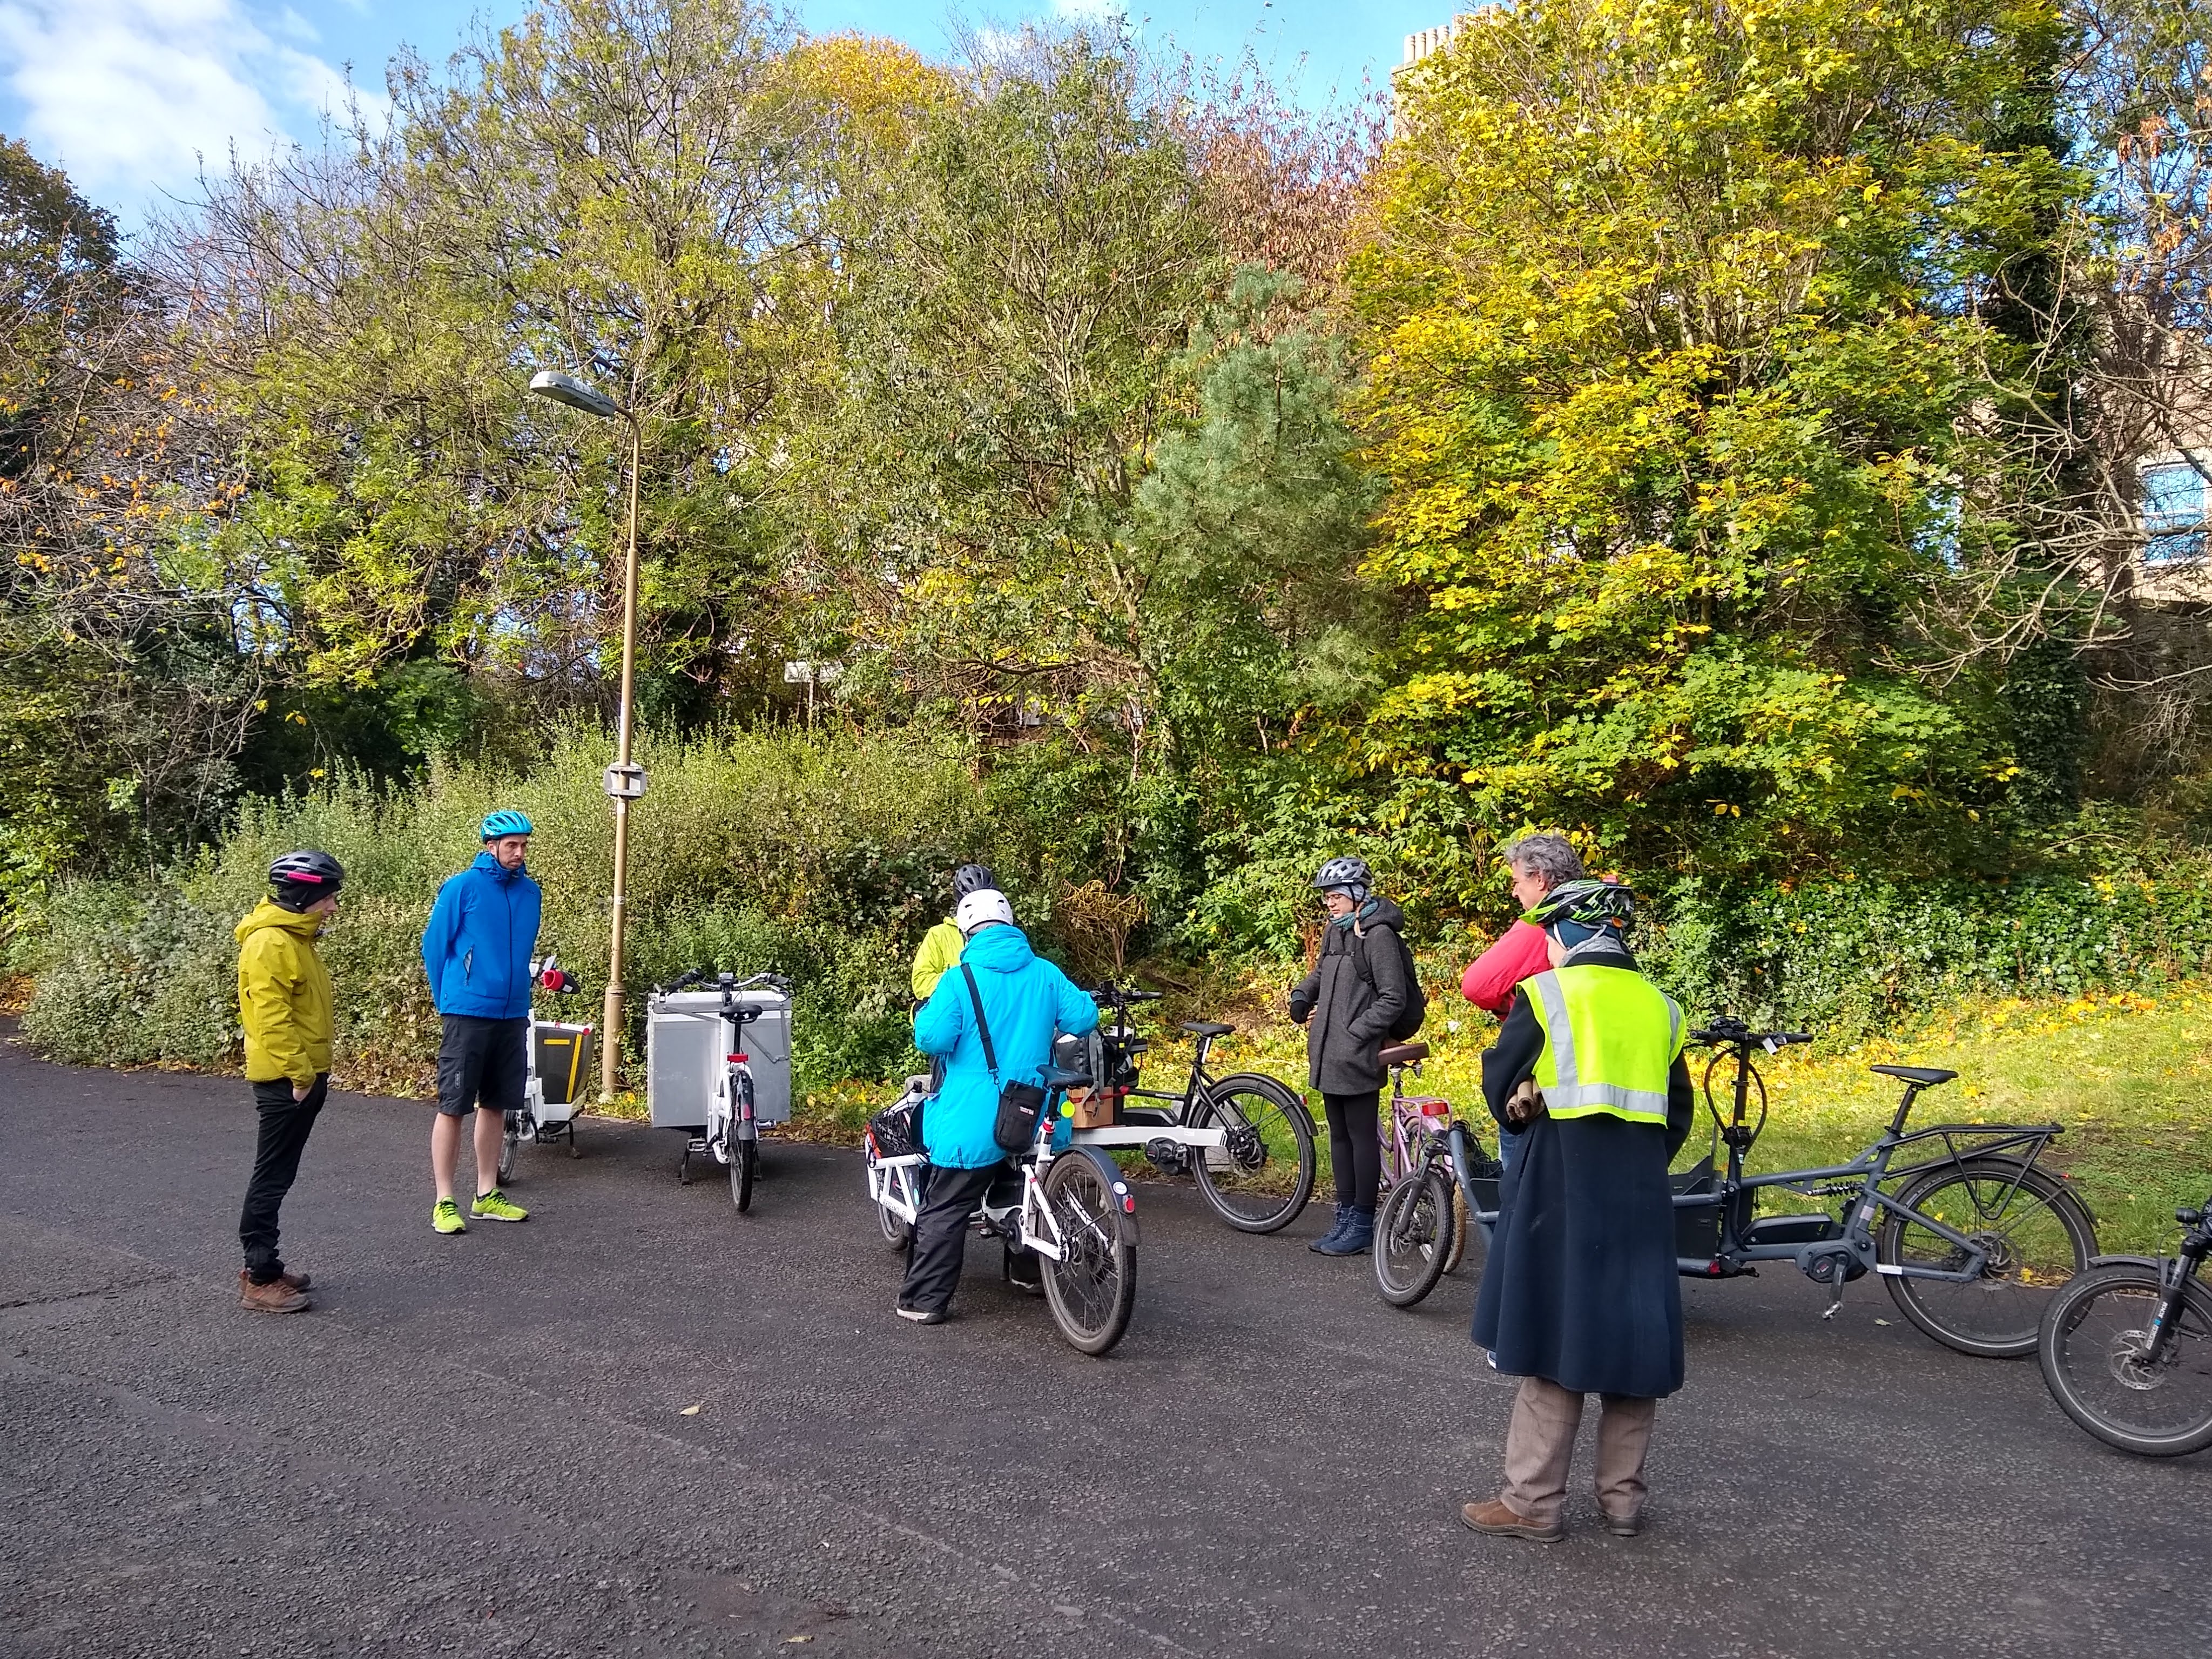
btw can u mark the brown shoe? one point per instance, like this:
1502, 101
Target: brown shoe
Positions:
275, 1296
297, 1281
1494, 1520
1624, 1526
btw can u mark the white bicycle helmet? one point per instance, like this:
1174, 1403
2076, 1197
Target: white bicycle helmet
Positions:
984, 905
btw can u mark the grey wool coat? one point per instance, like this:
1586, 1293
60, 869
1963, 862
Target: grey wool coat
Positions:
1355, 990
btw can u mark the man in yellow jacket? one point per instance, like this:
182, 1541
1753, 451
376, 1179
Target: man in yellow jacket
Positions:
284, 1005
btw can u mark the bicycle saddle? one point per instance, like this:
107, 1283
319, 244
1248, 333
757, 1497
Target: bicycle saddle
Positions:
1921, 1074
1056, 1077
1403, 1054
1199, 1027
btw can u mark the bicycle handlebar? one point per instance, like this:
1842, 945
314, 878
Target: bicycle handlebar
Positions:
1726, 1032
1111, 993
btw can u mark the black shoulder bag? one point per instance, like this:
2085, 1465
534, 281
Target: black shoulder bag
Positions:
1019, 1103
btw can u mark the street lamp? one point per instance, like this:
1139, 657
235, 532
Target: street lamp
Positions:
625, 782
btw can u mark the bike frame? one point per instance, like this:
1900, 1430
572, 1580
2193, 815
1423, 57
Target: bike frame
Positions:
1861, 1179
1413, 1129
895, 1185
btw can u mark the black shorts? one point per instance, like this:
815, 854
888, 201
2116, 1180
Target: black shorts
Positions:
482, 1063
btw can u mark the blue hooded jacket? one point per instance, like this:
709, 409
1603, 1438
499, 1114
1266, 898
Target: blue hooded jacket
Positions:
1026, 1002
476, 948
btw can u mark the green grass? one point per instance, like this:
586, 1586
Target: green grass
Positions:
2128, 1075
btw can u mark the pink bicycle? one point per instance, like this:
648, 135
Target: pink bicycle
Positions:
1416, 1124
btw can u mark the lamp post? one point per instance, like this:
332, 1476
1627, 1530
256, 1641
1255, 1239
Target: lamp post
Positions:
625, 781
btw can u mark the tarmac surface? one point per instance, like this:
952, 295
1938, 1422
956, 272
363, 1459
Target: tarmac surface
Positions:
642, 1424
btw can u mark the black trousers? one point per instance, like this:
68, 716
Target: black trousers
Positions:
941, 1234
285, 1123
1355, 1146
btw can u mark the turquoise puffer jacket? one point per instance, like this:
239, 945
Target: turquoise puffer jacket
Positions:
1026, 1002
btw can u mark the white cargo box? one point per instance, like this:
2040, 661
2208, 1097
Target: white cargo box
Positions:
686, 1049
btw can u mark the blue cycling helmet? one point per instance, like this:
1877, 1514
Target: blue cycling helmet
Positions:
505, 823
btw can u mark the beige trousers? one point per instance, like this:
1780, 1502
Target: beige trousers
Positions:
1541, 1438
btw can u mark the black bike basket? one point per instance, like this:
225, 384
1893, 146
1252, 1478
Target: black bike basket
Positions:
897, 1130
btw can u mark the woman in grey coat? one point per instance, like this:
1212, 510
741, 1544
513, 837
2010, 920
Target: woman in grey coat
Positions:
1347, 1005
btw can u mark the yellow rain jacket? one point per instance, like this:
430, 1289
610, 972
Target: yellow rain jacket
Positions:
283, 996
941, 952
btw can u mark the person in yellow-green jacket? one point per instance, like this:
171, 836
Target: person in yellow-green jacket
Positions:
284, 1005
942, 944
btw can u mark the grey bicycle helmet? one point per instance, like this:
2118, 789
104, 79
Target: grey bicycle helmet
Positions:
972, 878
1587, 903
298, 879
1352, 874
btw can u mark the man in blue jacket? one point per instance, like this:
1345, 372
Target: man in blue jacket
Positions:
1026, 1002
476, 950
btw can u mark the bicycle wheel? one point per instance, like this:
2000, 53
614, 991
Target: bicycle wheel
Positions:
744, 1169
508, 1141
1413, 1238
1459, 1228
898, 1234
1092, 1289
2037, 1236
2090, 1349
1261, 1178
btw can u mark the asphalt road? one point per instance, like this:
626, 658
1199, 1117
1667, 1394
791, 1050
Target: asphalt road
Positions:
480, 1445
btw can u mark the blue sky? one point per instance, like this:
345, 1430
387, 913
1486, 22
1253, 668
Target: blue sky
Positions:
127, 95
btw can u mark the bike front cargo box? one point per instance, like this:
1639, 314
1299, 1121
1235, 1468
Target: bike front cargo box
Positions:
564, 1059
685, 1052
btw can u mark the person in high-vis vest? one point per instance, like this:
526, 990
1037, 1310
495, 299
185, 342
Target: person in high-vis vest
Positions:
1579, 1294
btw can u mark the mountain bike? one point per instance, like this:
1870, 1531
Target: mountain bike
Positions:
2126, 1349
1971, 1240
557, 1064
1246, 1139
1072, 1207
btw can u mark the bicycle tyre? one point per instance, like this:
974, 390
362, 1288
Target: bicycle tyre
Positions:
898, 1234
1459, 1228
2090, 1334
1092, 1289
1253, 1197
2045, 1239
1412, 1238
510, 1138
745, 1169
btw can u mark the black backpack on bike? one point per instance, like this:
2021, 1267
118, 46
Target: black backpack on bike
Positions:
1417, 1000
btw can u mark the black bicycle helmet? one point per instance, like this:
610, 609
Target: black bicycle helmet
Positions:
298, 879
972, 878
1588, 902
1351, 874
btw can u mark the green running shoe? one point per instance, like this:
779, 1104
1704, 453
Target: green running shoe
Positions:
445, 1216
494, 1206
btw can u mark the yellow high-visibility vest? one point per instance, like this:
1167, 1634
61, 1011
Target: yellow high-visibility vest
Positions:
1610, 1039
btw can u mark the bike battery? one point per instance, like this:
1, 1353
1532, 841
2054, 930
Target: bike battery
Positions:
564, 1059
686, 1050
1811, 1229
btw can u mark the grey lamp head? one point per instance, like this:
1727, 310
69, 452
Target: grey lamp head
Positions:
567, 389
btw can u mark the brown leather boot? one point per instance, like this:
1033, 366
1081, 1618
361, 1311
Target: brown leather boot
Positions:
1495, 1520
275, 1296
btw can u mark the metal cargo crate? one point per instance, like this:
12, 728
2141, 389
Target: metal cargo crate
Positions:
684, 1053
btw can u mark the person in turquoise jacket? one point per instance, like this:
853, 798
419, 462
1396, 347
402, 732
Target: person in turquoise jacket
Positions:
1026, 1002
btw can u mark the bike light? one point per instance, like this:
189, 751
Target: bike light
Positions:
1435, 1109
739, 1060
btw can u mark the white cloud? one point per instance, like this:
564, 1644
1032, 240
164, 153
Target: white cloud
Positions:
130, 96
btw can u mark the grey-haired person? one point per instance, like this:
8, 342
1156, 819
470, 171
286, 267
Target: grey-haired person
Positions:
1348, 1004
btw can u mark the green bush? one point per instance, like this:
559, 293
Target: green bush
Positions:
824, 858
